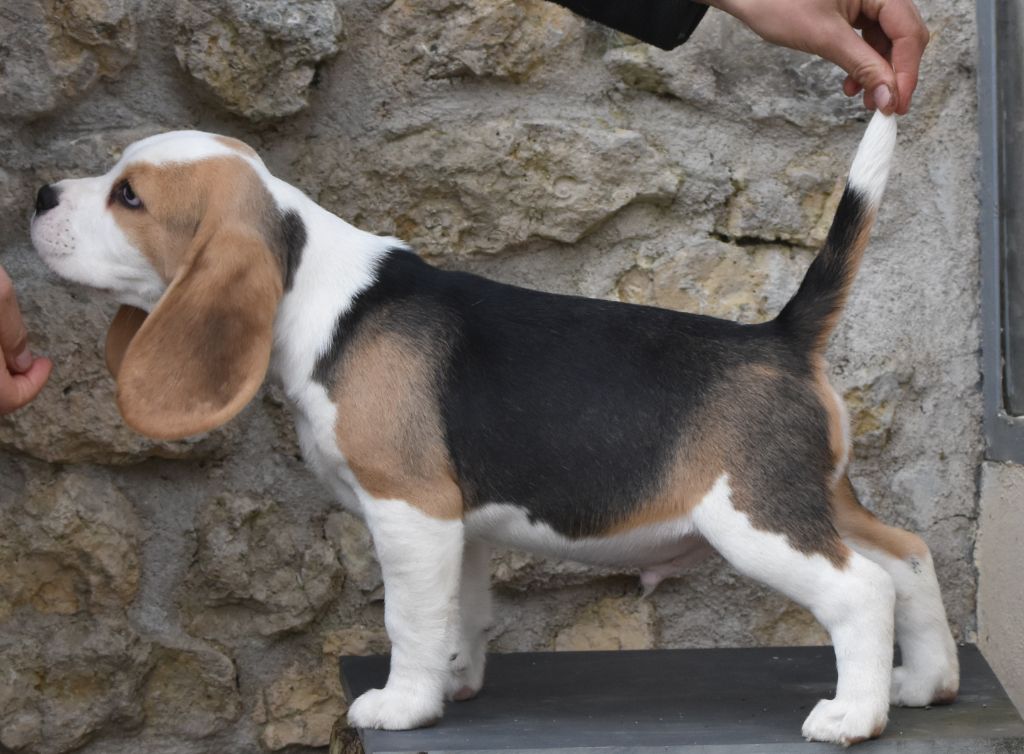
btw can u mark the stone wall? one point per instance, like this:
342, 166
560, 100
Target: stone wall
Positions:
193, 596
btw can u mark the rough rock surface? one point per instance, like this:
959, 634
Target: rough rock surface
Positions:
257, 570
70, 546
183, 598
82, 41
506, 181
68, 679
300, 707
609, 624
258, 58
487, 38
191, 694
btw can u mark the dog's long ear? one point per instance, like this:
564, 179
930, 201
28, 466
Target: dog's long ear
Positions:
123, 327
201, 355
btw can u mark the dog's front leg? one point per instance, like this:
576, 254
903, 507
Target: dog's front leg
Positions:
420, 558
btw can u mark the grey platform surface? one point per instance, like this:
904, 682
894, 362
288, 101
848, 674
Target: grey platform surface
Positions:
712, 701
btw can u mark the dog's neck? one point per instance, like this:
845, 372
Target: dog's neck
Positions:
335, 264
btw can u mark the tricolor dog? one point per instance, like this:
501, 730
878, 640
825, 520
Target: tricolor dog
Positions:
466, 413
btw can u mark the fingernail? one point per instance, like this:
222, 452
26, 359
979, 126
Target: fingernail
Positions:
23, 361
882, 96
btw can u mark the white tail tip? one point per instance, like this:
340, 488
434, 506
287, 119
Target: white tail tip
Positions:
870, 168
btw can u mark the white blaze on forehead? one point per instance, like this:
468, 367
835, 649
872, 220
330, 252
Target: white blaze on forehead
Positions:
184, 146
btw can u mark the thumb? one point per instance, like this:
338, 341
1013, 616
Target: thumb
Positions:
865, 66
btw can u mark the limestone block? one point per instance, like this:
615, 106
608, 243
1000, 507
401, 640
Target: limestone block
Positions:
486, 38
501, 182
301, 706
712, 605
53, 52
872, 410
356, 639
761, 82
518, 571
192, 694
71, 544
257, 570
794, 207
258, 58
355, 550
743, 283
65, 679
611, 624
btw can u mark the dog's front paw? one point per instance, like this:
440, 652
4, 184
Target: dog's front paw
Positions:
838, 721
923, 689
391, 710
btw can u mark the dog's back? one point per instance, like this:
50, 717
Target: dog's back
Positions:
593, 417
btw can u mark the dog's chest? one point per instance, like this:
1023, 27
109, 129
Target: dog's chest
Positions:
315, 420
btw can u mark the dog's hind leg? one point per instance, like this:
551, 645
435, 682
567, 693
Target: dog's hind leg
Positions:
469, 654
850, 595
420, 558
930, 671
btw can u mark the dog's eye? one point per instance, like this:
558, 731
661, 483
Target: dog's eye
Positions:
127, 197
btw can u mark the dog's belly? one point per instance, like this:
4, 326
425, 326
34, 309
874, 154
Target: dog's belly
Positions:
662, 549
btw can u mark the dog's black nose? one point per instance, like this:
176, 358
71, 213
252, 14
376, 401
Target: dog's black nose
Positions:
47, 198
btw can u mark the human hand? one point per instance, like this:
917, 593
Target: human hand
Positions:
22, 375
883, 64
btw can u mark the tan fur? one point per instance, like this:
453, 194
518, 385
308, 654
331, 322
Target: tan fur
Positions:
753, 390
123, 327
178, 197
690, 479
858, 524
237, 145
389, 426
836, 417
201, 355
707, 451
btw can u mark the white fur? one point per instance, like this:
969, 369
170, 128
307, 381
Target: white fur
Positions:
182, 146
855, 605
420, 559
469, 651
644, 546
870, 169
697, 551
931, 668
338, 261
79, 240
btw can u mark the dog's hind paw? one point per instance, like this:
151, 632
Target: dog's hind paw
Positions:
910, 689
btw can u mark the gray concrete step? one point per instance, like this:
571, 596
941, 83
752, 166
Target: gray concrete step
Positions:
712, 701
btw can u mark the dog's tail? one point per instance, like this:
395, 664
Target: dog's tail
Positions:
811, 314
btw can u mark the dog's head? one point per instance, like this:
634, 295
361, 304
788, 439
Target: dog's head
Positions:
183, 227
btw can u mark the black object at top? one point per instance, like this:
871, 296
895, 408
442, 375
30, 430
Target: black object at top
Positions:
662, 23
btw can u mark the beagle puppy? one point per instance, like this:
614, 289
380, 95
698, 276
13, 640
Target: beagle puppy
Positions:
466, 413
